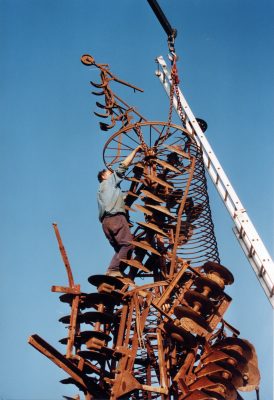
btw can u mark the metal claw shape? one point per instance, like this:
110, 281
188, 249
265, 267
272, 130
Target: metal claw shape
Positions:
102, 115
100, 105
99, 85
98, 93
105, 127
105, 106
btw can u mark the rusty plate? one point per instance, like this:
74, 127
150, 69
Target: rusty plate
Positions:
97, 280
184, 311
214, 395
241, 361
180, 335
192, 297
202, 383
93, 299
96, 316
223, 370
252, 373
213, 369
94, 388
218, 355
65, 319
68, 297
223, 272
198, 395
93, 355
201, 282
237, 378
236, 344
251, 379
86, 335
217, 386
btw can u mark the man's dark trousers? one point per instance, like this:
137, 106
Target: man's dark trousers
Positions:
117, 231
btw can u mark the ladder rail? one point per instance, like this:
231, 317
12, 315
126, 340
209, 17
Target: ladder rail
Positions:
245, 232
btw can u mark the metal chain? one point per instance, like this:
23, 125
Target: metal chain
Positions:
141, 138
179, 105
173, 90
175, 82
171, 94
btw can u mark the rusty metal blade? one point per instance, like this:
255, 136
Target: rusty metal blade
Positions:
143, 209
152, 227
145, 246
152, 196
158, 180
135, 264
161, 209
178, 150
167, 166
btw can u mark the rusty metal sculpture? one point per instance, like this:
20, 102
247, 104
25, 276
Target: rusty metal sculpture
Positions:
166, 338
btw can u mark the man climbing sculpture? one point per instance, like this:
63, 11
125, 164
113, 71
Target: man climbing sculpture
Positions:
112, 213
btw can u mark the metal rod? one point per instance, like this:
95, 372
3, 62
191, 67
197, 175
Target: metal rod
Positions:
64, 256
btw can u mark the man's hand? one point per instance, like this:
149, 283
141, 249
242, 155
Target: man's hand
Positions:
139, 149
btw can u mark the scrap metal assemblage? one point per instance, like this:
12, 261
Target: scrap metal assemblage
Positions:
168, 337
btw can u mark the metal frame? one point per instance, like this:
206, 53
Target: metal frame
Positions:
244, 229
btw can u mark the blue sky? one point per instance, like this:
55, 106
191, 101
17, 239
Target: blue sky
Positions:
51, 149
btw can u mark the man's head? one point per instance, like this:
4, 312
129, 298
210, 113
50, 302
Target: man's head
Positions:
103, 175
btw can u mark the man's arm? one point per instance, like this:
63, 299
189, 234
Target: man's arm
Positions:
128, 160
120, 172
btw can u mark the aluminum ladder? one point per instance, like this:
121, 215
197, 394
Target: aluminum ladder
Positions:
244, 230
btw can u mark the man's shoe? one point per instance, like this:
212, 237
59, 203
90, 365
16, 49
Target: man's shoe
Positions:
115, 274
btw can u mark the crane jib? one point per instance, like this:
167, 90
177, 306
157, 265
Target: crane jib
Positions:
171, 32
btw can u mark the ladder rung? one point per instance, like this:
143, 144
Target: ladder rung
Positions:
262, 271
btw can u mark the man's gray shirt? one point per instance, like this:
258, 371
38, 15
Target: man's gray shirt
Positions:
109, 196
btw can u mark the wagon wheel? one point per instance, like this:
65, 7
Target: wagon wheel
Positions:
153, 136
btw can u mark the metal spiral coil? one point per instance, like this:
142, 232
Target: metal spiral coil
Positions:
197, 243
